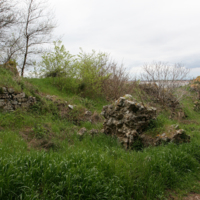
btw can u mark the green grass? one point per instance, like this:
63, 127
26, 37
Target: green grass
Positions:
90, 167
6, 80
94, 168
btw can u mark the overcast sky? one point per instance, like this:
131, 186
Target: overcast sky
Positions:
133, 31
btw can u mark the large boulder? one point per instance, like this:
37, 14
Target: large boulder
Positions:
127, 119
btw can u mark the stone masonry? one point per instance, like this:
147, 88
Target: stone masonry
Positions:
11, 100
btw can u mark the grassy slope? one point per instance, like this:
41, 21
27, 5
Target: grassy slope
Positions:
90, 167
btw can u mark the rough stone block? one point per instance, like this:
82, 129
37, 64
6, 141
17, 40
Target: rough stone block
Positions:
11, 90
4, 90
24, 105
126, 119
2, 103
14, 102
4, 96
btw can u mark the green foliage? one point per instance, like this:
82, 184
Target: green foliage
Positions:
84, 73
6, 79
157, 126
88, 103
96, 168
57, 63
39, 130
59, 66
92, 168
92, 71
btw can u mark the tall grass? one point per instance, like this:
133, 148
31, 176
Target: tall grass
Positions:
94, 168
90, 167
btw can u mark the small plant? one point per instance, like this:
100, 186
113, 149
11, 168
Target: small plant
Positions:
39, 131
88, 103
137, 145
156, 126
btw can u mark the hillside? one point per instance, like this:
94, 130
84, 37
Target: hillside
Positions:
43, 157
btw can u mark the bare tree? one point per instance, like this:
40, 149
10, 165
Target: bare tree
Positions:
118, 83
37, 26
7, 16
164, 78
8, 20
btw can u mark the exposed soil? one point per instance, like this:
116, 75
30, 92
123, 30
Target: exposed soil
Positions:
37, 143
192, 197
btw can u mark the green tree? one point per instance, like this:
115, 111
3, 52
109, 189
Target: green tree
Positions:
58, 65
92, 70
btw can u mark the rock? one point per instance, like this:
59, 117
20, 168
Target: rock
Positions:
24, 105
177, 136
93, 132
11, 100
8, 107
175, 126
101, 131
95, 118
14, 102
128, 96
10, 90
2, 103
4, 90
82, 131
88, 113
127, 119
4, 96
71, 107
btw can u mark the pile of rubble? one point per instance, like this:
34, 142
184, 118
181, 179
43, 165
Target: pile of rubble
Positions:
127, 119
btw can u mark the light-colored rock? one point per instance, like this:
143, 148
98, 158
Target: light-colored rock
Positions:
4, 90
177, 136
8, 107
82, 131
2, 103
127, 119
88, 113
10, 90
175, 126
14, 102
93, 132
71, 107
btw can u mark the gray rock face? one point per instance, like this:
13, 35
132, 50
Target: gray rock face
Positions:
9, 100
126, 120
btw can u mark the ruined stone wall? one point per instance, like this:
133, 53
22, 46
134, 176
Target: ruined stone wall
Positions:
11, 100
127, 119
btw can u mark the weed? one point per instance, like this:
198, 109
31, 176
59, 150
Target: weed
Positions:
88, 103
39, 131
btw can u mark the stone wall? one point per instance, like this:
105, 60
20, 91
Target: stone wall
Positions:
11, 100
127, 119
